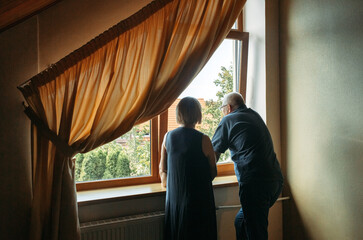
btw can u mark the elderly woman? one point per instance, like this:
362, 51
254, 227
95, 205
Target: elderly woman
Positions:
187, 168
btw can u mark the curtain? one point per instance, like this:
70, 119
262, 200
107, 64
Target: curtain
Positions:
127, 75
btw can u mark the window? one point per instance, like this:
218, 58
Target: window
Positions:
134, 157
125, 161
217, 78
225, 71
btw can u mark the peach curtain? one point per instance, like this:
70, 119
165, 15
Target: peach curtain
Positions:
126, 76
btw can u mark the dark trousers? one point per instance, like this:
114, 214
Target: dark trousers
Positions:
256, 199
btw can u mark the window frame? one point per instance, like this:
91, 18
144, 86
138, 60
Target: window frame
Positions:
128, 181
225, 169
159, 127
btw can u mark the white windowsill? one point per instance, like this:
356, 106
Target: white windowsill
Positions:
137, 191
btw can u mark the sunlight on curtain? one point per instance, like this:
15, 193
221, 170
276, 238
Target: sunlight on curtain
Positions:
100, 91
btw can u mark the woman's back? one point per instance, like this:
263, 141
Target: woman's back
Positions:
190, 208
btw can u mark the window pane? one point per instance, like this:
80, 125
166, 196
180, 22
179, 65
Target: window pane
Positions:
218, 77
235, 24
127, 156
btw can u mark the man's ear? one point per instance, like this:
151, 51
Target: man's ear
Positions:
229, 107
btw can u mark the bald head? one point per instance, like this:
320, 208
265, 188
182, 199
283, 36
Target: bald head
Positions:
234, 99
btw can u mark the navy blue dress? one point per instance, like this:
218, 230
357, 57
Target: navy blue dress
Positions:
190, 208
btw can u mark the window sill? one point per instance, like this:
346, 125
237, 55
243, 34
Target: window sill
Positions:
139, 191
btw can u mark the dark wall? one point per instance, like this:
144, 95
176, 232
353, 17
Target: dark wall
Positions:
18, 61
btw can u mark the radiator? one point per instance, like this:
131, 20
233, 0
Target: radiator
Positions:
148, 226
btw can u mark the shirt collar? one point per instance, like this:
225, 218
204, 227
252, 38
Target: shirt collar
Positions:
241, 108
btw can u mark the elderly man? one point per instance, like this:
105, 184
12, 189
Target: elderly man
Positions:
245, 134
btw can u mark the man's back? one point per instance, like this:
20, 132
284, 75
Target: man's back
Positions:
244, 132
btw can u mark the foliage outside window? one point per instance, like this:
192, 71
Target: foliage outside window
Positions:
127, 156
211, 112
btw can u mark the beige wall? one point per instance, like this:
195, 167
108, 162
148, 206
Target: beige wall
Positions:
255, 24
262, 23
70, 24
322, 111
224, 196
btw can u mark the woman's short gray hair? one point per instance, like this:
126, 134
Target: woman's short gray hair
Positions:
189, 111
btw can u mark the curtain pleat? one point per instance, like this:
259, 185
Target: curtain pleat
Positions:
129, 74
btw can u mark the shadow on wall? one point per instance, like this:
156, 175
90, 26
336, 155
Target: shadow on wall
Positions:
293, 227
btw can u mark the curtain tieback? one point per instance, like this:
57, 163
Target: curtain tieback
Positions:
53, 137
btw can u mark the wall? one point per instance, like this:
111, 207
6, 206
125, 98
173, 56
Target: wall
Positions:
18, 61
322, 111
26, 49
224, 196
254, 23
111, 209
262, 22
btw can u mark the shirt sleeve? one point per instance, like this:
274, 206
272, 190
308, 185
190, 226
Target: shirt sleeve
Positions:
220, 140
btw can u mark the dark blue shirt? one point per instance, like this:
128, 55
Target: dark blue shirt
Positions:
245, 134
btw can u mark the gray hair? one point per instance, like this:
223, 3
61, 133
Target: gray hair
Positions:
234, 99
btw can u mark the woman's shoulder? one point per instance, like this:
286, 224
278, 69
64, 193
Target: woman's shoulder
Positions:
198, 133
175, 133
176, 130
205, 138
190, 133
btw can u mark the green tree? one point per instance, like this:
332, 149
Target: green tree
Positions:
138, 150
113, 152
212, 115
123, 166
94, 165
117, 162
114, 160
78, 167
224, 82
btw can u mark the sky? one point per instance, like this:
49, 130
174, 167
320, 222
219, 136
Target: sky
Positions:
202, 86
